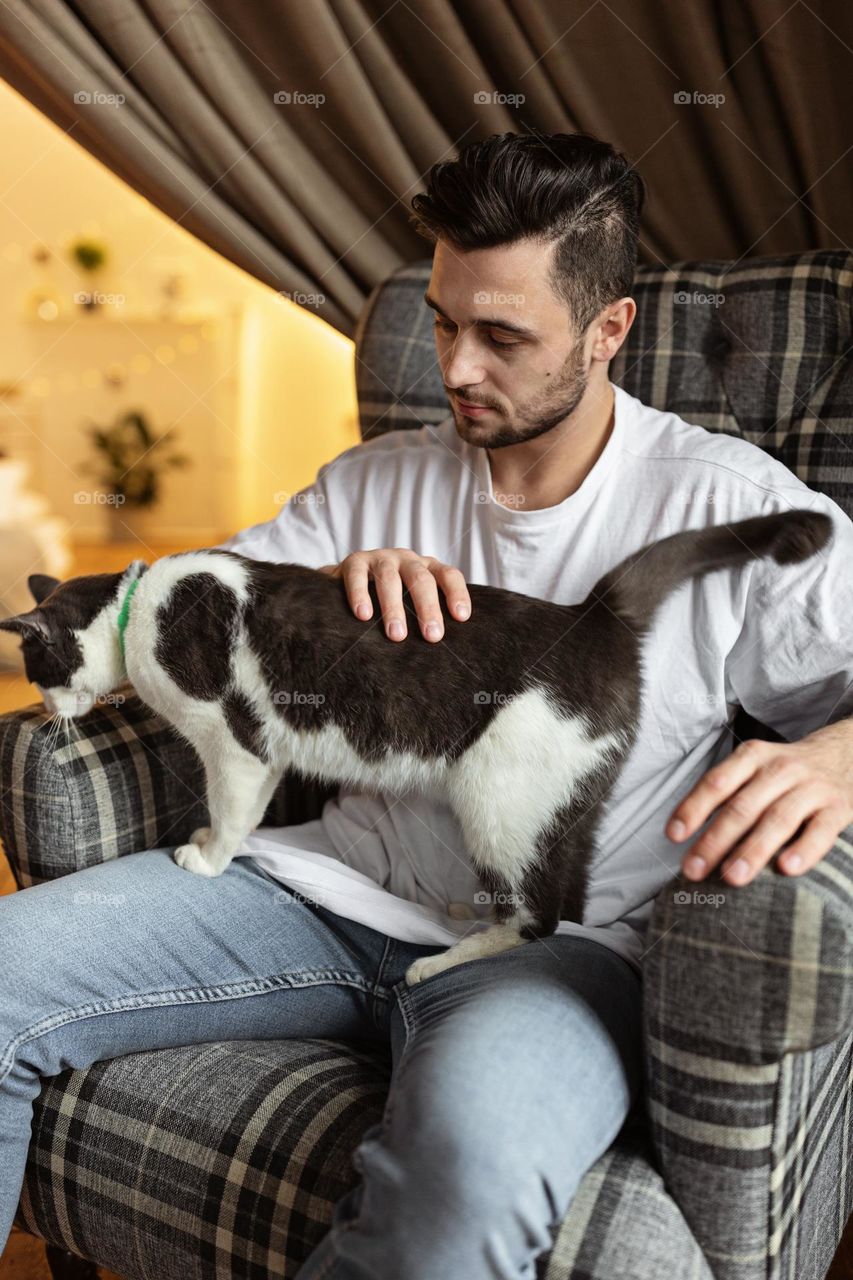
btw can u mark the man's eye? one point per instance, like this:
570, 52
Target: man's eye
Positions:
445, 326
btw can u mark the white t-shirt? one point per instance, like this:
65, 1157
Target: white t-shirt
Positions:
775, 639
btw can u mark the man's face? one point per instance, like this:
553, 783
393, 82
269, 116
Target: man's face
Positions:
505, 342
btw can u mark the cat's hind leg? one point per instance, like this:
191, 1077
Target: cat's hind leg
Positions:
486, 942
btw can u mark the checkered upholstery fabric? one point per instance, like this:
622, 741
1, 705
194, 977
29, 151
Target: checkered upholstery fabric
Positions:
735, 1166
759, 349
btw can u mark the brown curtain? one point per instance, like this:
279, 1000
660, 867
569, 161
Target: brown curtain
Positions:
290, 135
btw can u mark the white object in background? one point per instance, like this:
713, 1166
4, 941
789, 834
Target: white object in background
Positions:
32, 540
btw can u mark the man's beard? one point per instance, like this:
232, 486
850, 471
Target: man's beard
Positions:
544, 413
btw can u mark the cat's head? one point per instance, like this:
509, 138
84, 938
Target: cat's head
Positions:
70, 641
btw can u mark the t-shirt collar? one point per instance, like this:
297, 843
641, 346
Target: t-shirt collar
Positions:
575, 502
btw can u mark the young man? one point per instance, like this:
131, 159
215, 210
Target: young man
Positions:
513, 1073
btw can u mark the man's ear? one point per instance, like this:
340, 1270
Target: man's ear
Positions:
41, 585
32, 623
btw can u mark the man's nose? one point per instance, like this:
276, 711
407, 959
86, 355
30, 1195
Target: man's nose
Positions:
462, 368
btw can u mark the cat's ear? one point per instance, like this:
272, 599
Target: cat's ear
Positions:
33, 623
134, 570
41, 585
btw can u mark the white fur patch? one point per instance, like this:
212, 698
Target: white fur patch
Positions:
512, 780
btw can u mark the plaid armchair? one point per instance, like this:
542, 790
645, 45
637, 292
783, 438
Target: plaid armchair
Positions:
736, 1165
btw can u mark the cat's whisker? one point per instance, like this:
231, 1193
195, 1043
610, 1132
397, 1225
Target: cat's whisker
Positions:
55, 728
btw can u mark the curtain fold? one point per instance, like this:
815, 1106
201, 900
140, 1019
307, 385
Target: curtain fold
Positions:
291, 135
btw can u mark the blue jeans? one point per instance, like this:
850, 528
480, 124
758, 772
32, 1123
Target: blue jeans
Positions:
511, 1075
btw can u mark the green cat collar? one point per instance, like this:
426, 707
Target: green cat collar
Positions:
124, 614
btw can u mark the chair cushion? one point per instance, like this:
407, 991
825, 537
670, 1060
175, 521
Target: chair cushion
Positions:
227, 1159
760, 349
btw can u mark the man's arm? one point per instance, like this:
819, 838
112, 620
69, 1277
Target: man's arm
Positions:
792, 669
303, 533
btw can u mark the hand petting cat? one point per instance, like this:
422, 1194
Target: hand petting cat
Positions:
767, 791
392, 569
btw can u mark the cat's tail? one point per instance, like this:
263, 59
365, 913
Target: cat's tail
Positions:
637, 586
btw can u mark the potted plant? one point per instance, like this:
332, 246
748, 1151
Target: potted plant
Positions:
90, 256
129, 471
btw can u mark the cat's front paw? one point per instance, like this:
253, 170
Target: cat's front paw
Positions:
191, 858
425, 967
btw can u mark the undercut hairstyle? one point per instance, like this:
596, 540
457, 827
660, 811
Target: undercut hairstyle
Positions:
566, 189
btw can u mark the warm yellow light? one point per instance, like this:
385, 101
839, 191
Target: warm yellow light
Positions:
91, 378
188, 343
140, 363
164, 353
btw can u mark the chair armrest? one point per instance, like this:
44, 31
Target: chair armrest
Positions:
747, 1012
119, 781
122, 780
757, 971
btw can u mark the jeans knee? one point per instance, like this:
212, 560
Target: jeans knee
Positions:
451, 1201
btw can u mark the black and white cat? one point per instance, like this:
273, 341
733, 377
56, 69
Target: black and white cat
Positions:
520, 718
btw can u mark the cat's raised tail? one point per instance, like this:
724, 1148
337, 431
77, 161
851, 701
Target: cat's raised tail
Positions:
639, 584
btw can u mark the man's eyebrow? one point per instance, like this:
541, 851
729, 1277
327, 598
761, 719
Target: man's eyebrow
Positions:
486, 322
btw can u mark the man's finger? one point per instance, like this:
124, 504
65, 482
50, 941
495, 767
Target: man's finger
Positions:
740, 813
819, 836
776, 826
354, 574
716, 786
423, 590
452, 583
389, 588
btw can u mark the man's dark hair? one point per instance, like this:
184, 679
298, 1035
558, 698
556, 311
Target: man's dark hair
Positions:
565, 188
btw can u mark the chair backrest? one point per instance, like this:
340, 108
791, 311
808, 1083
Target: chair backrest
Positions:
760, 348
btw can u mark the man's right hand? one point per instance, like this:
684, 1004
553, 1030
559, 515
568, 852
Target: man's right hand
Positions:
392, 569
